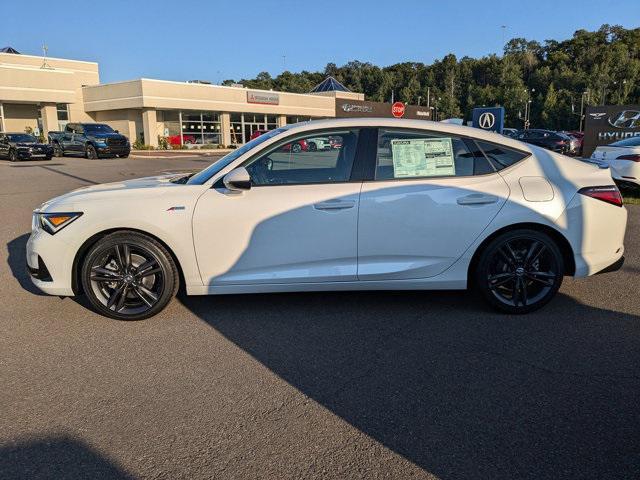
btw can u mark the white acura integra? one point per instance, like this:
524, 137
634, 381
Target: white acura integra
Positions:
394, 204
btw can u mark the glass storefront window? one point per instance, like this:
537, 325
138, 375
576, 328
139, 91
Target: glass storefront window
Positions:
295, 119
62, 111
199, 128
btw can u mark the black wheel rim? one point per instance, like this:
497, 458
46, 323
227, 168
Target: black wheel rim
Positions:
91, 153
127, 279
522, 272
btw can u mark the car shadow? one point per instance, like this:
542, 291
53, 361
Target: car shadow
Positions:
56, 457
457, 389
16, 260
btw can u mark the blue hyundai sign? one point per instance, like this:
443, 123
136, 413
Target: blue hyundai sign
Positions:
491, 118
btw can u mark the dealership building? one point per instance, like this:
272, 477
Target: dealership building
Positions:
44, 94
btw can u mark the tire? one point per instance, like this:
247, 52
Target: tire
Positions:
48, 157
312, 147
57, 150
13, 155
520, 271
296, 148
113, 281
126, 155
90, 152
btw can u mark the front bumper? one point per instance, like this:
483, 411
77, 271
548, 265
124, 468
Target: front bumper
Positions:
49, 263
114, 150
28, 154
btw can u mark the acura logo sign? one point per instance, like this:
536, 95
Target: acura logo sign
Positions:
487, 120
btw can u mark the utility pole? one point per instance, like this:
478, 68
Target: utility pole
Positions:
45, 49
428, 98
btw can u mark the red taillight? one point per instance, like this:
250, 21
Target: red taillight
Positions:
634, 157
609, 194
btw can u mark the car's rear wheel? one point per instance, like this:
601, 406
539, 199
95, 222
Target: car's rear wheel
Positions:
129, 276
312, 147
520, 271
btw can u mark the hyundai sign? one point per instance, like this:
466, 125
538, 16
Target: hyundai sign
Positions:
491, 118
606, 124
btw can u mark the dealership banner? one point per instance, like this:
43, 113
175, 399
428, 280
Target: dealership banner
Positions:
362, 108
609, 123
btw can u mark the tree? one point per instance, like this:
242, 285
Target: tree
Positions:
605, 63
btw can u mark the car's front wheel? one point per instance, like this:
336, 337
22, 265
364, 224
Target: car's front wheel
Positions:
57, 150
13, 155
520, 271
91, 152
129, 276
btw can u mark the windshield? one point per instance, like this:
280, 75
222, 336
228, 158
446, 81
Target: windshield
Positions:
98, 128
204, 175
627, 142
22, 138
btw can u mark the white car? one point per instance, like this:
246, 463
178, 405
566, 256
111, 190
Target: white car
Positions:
401, 204
623, 157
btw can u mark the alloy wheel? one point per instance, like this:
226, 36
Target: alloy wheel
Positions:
127, 279
522, 272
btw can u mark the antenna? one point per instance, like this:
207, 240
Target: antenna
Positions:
45, 49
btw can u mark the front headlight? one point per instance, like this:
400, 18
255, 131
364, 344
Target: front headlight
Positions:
54, 222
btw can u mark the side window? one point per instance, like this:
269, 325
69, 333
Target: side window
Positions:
69, 128
422, 154
322, 157
500, 156
79, 129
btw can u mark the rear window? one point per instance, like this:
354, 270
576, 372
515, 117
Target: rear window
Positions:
501, 157
627, 142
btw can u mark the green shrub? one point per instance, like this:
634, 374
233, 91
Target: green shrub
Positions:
163, 143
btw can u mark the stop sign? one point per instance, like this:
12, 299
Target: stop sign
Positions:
397, 109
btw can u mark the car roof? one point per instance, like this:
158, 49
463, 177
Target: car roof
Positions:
429, 125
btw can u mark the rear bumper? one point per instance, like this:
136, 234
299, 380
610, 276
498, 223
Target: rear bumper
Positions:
596, 231
614, 267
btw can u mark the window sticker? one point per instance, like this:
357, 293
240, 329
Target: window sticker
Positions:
422, 157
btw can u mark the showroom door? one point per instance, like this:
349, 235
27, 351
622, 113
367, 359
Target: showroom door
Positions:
297, 223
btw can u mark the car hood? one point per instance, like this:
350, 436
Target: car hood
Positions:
146, 186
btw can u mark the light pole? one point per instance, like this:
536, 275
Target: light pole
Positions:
527, 109
584, 94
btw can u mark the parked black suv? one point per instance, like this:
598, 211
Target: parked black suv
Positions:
23, 146
90, 140
556, 141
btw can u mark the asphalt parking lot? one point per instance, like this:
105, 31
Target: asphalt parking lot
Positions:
327, 385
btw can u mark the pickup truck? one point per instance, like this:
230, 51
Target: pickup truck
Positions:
89, 140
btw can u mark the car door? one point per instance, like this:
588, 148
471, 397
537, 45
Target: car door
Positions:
297, 223
67, 138
431, 196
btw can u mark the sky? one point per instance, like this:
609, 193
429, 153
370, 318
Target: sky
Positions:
215, 40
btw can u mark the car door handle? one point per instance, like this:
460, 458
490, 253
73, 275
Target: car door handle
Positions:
335, 205
477, 199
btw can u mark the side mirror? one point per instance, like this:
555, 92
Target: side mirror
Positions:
117, 131
237, 180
